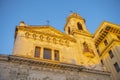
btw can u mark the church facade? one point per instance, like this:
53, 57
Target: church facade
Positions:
44, 53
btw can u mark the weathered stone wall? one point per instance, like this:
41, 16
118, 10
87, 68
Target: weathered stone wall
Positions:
16, 70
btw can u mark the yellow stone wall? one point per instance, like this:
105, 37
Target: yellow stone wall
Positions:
113, 45
70, 46
25, 47
81, 36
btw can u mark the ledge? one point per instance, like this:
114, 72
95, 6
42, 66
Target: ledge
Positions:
50, 64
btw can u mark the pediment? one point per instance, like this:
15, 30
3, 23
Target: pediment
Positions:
46, 30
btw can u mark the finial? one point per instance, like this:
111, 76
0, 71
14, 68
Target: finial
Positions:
48, 22
22, 23
71, 11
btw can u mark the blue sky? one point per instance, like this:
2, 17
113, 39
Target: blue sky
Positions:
37, 12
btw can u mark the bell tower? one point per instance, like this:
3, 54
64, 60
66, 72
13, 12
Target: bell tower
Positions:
75, 23
86, 52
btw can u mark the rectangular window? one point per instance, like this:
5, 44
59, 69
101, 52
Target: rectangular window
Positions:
98, 52
102, 62
105, 42
118, 37
47, 53
111, 54
117, 67
56, 55
37, 52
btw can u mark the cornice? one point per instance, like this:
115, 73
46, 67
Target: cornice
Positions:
51, 64
104, 29
45, 63
102, 26
44, 36
83, 33
30, 29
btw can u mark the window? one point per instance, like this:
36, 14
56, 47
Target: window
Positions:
47, 53
37, 52
117, 67
102, 62
98, 52
105, 42
111, 54
118, 37
79, 26
56, 55
68, 30
86, 49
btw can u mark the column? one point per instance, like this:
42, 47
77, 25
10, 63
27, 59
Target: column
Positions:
52, 55
41, 53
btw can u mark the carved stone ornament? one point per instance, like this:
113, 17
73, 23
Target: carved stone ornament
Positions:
41, 37
60, 42
67, 43
27, 34
34, 36
54, 41
48, 39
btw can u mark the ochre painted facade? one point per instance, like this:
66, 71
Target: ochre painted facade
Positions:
107, 42
76, 46
44, 53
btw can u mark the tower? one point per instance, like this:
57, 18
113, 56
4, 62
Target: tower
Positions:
86, 51
75, 23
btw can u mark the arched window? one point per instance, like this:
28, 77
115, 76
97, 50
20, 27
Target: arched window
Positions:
79, 26
86, 49
68, 30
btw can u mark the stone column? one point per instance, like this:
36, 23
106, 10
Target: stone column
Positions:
52, 55
41, 53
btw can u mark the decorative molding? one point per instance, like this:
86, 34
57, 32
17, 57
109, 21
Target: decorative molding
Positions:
31, 29
47, 38
108, 28
31, 69
45, 64
82, 33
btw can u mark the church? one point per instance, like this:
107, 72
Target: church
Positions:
42, 52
